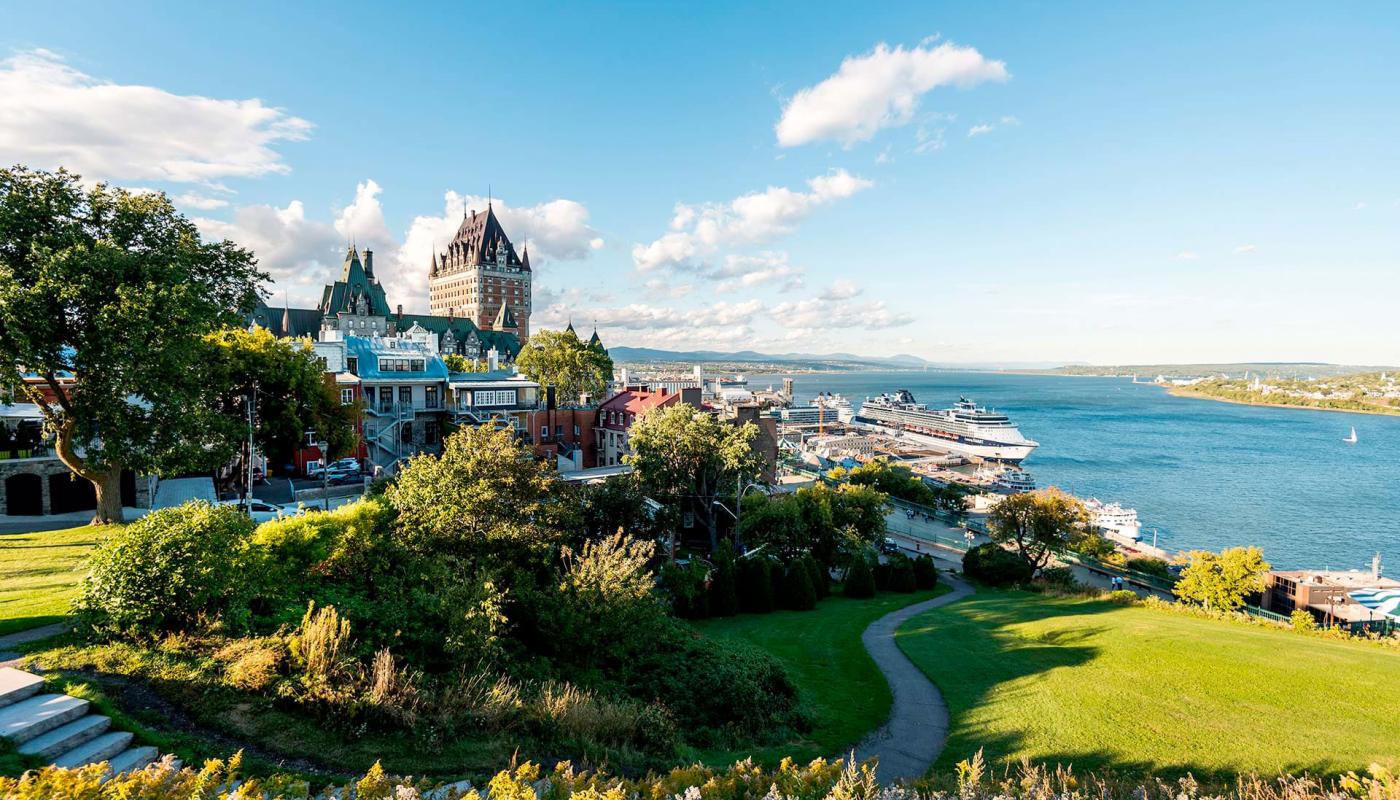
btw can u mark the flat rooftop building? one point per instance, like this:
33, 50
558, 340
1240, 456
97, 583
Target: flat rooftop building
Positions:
1325, 593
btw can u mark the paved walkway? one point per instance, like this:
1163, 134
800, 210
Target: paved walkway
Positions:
8, 655
912, 738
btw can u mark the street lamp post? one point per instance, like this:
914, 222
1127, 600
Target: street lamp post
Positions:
738, 504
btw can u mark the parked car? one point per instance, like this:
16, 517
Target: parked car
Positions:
888, 546
259, 510
341, 477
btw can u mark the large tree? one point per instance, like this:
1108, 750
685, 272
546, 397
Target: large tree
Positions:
689, 458
1222, 580
1038, 524
559, 359
289, 383
105, 296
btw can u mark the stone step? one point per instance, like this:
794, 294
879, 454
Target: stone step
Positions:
66, 737
102, 748
17, 685
22, 721
132, 759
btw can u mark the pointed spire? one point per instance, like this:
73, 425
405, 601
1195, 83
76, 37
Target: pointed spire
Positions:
286, 317
570, 328
525, 255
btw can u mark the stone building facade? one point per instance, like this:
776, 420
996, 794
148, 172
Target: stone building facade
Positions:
480, 277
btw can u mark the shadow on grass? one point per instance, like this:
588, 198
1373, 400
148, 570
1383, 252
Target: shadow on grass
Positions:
978, 652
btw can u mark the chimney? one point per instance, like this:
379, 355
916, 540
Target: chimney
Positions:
369, 263
400, 309
624, 377
493, 360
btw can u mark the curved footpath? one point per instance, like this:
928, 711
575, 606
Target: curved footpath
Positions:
913, 737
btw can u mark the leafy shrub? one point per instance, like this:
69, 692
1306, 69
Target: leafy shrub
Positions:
755, 585
798, 593
252, 664
901, 569
604, 599
1122, 597
335, 542
925, 573
860, 581
1302, 620
883, 570
820, 577
995, 566
686, 587
1150, 566
1060, 578
171, 570
724, 588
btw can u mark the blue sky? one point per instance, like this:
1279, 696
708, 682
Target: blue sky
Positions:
968, 183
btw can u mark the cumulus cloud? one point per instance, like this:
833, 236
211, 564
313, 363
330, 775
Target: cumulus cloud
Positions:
880, 89
698, 231
746, 272
841, 289
300, 254
53, 115
988, 127
199, 202
818, 313
717, 324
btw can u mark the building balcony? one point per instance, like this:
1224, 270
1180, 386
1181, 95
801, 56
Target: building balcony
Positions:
404, 409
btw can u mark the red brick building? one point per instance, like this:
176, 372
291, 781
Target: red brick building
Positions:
615, 418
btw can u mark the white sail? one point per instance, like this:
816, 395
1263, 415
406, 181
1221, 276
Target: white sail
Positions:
1352, 437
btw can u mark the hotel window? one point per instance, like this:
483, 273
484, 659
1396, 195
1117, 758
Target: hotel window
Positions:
430, 432
347, 396
353, 365
386, 398
430, 397
406, 395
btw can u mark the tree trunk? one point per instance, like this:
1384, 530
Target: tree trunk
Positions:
107, 483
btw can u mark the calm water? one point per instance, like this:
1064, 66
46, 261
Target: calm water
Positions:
1204, 474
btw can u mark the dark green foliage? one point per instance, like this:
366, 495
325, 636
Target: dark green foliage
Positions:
172, 570
860, 581
820, 577
797, 593
1150, 566
996, 566
1059, 578
893, 480
755, 585
724, 588
902, 574
686, 587
925, 573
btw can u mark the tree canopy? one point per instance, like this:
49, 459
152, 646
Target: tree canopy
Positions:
288, 380
1038, 524
559, 359
1222, 580
690, 458
105, 295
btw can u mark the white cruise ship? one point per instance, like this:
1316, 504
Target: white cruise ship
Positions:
965, 428
825, 408
1114, 521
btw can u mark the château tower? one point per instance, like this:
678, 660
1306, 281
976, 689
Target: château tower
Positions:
481, 278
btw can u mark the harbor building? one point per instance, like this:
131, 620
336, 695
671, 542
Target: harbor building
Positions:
1328, 595
480, 277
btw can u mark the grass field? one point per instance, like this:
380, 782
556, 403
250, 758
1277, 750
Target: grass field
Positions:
840, 688
1141, 690
39, 574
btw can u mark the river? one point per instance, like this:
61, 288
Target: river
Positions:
1204, 474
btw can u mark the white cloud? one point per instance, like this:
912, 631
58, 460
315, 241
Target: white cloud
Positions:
699, 231
53, 115
1246, 248
1360, 204
841, 289
878, 90
988, 127
715, 325
818, 313
1187, 255
746, 272
199, 201
978, 130
300, 254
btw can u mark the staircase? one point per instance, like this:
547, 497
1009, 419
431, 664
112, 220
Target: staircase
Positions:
61, 729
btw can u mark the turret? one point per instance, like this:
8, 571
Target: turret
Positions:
369, 265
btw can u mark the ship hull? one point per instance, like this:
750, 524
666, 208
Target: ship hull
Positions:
1001, 452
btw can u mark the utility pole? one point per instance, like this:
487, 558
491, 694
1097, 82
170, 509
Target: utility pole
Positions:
248, 466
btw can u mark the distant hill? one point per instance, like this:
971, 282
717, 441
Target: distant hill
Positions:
648, 354
1264, 369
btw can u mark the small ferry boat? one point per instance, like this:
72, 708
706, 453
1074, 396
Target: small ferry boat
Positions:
1006, 480
1114, 521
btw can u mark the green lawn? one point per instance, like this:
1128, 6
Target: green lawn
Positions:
840, 688
1140, 690
39, 574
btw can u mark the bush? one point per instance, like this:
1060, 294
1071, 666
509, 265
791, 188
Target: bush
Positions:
1150, 566
996, 566
860, 581
1123, 597
1060, 578
798, 593
925, 573
324, 542
882, 571
172, 570
686, 587
1302, 620
755, 585
821, 579
724, 588
902, 574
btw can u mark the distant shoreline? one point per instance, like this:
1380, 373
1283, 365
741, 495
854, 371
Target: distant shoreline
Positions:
1185, 391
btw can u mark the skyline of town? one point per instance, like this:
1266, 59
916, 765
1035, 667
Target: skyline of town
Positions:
953, 183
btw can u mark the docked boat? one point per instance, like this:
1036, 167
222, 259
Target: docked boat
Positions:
1006, 480
966, 428
1114, 521
825, 408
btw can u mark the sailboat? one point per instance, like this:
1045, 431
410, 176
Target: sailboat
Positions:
1352, 438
